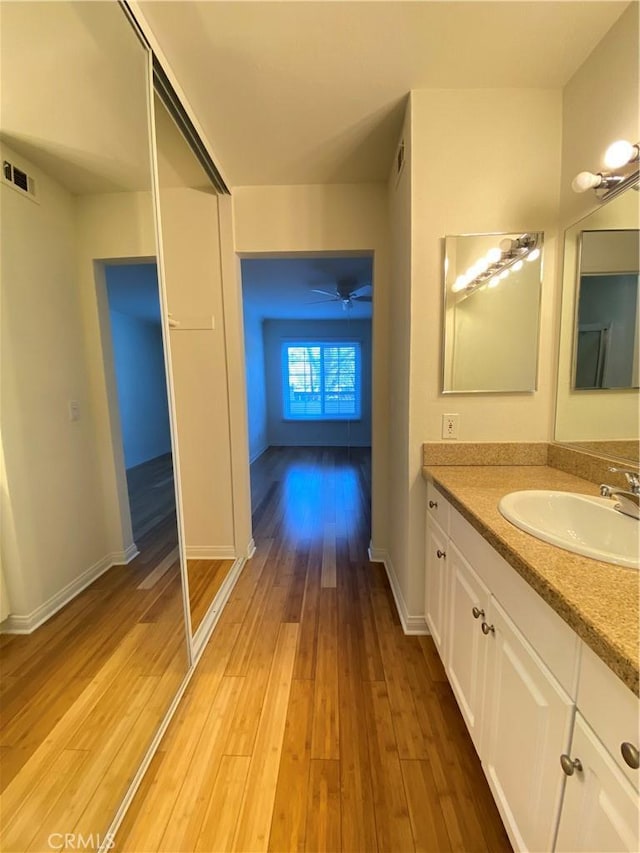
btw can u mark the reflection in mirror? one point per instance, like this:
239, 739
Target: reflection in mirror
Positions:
600, 332
606, 333
191, 258
491, 312
93, 645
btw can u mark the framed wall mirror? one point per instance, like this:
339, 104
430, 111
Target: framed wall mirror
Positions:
598, 398
492, 288
93, 646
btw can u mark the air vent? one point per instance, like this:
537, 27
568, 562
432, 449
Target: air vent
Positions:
19, 180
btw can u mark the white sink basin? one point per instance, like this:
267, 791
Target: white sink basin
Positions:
580, 523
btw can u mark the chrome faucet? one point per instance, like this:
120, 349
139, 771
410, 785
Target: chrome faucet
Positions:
628, 499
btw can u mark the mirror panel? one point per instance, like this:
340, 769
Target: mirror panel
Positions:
492, 288
192, 273
606, 328
597, 407
93, 646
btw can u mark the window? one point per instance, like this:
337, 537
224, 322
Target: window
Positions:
321, 381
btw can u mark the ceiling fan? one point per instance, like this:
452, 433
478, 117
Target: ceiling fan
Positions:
345, 292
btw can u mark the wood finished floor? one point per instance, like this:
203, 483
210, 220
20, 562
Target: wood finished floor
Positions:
312, 722
205, 578
82, 696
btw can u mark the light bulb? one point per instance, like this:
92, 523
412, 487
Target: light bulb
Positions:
517, 266
503, 274
534, 255
620, 153
482, 265
493, 256
584, 181
494, 282
459, 284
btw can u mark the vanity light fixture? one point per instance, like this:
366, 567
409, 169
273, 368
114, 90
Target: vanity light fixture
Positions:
497, 264
619, 155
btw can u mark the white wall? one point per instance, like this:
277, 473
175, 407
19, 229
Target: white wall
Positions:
142, 388
255, 383
283, 433
476, 167
53, 512
191, 253
331, 218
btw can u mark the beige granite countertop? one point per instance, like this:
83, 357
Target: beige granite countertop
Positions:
598, 600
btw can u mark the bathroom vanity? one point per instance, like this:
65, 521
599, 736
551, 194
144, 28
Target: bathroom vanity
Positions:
540, 648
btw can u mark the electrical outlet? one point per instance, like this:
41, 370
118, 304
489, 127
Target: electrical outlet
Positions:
450, 426
74, 410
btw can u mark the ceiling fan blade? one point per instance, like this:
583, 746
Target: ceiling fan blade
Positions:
333, 294
321, 301
360, 289
362, 298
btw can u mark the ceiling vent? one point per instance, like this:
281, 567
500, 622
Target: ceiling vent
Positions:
19, 180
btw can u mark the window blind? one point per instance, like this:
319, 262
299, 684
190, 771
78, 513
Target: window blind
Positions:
321, 380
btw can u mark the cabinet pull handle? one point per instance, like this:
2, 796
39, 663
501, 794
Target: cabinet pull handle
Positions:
630, 754
433, 504
477, 613
488, 629
569, 765
440, 554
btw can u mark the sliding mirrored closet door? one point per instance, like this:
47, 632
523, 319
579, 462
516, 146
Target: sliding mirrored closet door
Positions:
93, 644
189, 217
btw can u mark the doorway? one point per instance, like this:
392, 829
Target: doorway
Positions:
308, 357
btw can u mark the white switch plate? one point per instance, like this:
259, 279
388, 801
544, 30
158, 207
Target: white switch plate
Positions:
74, 410
450, 426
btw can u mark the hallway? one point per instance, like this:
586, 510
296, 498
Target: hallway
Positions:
312, 722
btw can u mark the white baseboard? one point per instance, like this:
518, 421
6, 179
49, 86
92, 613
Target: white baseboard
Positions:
210, 552
202, 635
410, 624
251, 548
27, 623
123, 558
258, 454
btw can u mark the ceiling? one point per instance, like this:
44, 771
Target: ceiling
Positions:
74, 94
314, 92
281, 288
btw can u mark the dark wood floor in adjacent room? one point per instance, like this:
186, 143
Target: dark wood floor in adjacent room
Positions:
312, 721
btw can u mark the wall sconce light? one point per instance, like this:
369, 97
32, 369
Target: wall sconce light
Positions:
498, 263
619, 155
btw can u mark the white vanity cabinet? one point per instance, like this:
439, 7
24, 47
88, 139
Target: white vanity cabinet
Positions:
518, 671
436, 567
466, 647
526, 720
600, 809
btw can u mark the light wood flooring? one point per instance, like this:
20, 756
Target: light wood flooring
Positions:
205, 577
82, 696
312, 722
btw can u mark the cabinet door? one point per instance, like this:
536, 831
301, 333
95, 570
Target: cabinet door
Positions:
526, 726
466, 645
600, 810
435, 585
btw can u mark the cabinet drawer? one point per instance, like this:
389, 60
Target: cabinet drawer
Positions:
437, 507
610, 708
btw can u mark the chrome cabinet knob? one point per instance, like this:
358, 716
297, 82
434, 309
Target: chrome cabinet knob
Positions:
488, 629
440, 554
477, 613
630, 754
433, 504
569, 765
